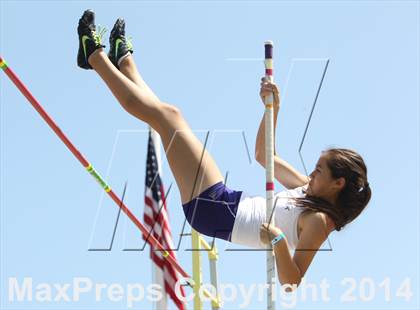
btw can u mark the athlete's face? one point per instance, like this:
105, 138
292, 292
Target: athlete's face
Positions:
322, 184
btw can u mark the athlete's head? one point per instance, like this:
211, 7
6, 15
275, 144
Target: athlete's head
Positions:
338, 186
322, 183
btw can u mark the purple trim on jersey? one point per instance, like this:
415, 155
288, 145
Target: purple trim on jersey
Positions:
213, 212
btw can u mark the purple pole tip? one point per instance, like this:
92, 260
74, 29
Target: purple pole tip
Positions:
268, 45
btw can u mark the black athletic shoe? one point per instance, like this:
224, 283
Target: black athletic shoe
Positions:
119, 45
89, 40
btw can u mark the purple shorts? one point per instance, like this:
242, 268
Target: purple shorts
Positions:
213, 212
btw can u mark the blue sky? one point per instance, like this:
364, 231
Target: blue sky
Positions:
204, 57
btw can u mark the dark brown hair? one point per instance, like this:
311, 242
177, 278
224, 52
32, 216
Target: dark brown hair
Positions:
355, 195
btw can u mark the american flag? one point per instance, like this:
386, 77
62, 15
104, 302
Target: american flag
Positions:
156, 220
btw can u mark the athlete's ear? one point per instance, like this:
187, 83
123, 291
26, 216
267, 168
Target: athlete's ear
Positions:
340, 183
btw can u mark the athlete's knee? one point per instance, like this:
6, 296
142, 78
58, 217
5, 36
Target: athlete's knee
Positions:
172, 116
170, 111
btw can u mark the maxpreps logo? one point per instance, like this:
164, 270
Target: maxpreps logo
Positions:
82, 287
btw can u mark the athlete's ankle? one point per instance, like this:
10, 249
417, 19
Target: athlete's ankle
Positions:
124, 60
97, 54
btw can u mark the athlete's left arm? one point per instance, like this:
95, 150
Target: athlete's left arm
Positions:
314, 233
290, 270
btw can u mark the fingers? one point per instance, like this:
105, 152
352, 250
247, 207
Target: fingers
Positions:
265, 227
264, 237
265, 233
267, 86
270, 87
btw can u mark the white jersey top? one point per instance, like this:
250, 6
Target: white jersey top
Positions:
251, 214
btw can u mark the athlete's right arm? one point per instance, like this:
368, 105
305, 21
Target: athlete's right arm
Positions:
285, 173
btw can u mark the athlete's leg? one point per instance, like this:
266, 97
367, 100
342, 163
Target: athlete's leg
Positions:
192, 166
129, 68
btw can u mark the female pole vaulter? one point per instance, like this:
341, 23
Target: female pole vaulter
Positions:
333, 195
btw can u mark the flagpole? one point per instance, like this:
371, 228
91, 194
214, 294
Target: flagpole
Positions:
161, 304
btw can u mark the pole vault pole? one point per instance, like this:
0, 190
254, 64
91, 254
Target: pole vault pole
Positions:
150, 239
269, 171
